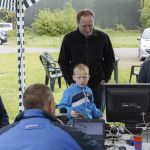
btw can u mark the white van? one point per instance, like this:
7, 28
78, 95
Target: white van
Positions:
6, 26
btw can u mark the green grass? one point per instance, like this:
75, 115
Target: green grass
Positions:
124, 39
34, 73
34, 40
9, 79
34, 70
118, 38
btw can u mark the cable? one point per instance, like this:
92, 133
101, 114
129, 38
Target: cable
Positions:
128, 131
108, 131
147, 125
143, 115
59, 121
145, 133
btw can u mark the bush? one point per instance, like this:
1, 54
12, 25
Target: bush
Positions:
120, 27
56, 22
145, 18
145, 14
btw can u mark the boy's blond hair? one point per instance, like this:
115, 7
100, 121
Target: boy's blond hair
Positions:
81, 67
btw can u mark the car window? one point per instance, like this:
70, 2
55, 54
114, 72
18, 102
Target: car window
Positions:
6, 26
146, 34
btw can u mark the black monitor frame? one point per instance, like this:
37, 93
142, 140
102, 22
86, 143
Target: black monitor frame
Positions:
127, 102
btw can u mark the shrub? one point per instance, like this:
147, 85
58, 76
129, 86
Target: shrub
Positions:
145, 18
145, 14
120, 27
56, 22
6, 15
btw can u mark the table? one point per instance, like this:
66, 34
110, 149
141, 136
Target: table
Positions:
117, 144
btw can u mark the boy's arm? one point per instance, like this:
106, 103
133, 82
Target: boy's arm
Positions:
66, 102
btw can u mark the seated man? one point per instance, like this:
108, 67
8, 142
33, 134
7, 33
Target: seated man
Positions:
37, 129
144, 74
78, 98
4, 120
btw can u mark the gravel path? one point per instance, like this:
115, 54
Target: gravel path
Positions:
127, 56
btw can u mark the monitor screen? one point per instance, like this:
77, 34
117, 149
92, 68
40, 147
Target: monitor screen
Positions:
127, 102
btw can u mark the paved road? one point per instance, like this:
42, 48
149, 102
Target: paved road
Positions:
6, 49
120, 52
127, 56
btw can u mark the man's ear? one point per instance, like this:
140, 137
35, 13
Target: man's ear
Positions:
51, 107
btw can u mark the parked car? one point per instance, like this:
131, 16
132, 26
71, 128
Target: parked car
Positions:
3, 37
144, 45
6, 26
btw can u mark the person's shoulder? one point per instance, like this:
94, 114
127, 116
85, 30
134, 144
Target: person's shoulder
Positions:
146, 63
8, 127
88, 89
70, 89
70, 34
100, 35
100, 32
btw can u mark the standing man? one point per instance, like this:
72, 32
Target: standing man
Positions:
91, 47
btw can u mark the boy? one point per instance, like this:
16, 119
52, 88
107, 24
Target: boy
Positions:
78, 98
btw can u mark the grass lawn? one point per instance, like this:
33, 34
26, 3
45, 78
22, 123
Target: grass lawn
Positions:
34, 73
124, 39
9, 79
118, 38
34, 69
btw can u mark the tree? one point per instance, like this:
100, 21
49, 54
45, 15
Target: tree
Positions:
145, 13
7, 16
56, 22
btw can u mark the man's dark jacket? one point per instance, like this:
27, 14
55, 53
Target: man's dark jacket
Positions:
96, 52
144, 74
3, 115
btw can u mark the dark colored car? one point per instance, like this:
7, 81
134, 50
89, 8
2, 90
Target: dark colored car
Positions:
3, 37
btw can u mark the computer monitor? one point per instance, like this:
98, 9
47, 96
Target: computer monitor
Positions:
127, 102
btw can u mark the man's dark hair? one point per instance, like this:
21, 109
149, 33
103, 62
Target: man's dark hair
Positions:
37, 96
84, 12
